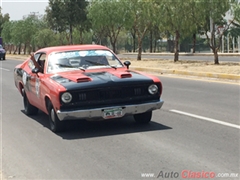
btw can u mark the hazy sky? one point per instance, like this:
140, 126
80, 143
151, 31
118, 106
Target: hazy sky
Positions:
19, 8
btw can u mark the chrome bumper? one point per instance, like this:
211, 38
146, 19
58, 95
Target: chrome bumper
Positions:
97, 113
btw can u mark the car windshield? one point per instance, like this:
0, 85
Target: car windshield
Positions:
84, 59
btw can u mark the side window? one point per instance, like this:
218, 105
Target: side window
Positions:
41, 61
31, 64
36, 56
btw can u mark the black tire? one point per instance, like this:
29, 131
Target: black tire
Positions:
55, 124
28, 108
4, 57
143, 118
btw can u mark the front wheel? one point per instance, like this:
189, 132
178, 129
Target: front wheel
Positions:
55, 124
143, 118
28, 108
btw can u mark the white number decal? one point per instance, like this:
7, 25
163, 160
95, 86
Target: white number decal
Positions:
24, 78
37, 85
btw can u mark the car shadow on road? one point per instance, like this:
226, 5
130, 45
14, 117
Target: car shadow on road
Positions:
81, 129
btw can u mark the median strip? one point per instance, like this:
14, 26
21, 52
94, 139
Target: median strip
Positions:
206, 119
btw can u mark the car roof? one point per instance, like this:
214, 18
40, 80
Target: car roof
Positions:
72, 47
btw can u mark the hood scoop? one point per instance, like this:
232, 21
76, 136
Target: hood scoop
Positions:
126, 75
77, 78
83, 79
122, 74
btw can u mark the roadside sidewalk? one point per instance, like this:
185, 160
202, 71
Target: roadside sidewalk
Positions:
188, 73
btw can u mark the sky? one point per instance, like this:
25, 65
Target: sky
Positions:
19, 8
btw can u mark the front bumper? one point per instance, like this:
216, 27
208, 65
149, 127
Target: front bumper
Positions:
97, 113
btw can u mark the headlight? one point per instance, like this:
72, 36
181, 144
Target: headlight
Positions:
66, 97
153, 89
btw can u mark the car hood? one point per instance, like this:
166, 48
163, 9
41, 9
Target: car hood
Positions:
86, 80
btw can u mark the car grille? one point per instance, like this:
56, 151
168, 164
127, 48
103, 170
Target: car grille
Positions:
110, 96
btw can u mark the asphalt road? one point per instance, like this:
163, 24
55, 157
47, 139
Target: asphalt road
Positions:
196, 58
177, 141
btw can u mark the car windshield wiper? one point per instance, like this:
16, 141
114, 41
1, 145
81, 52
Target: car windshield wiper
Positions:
65, 65
95, 63
101, 64
69, 66
83, 69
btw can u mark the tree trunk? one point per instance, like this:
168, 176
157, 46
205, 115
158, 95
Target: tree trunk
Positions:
71, 37
25, 48
81, 37
10, 49
194, 43
155, 45
151, 41
134, 42
30, 49
19, 49
113, 43
15, 50
176, 54
215, 52
114, 47
139, 56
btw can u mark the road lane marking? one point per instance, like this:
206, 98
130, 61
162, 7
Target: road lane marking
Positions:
206, 119
4, 69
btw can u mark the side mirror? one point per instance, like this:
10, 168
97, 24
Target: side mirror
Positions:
35, 70
127, 63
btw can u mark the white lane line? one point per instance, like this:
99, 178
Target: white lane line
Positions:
4, 69
206, 119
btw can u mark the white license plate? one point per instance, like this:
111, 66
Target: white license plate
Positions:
112, 113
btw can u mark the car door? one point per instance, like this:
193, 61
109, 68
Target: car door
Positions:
36, 81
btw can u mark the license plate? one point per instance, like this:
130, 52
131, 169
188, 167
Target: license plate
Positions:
112, 113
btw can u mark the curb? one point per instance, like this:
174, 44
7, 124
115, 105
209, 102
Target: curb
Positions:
188, 73
184, 54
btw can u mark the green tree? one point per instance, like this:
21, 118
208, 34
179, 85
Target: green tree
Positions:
64, 15
193, 18
235, 10
55, 16
28, 30
212, 15
22, 32
175, 19
7, 35
3, 18
16, 34
142, 17
45, 38
108, 17
82, 38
